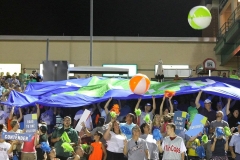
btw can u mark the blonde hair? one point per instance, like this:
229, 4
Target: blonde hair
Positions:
155, 120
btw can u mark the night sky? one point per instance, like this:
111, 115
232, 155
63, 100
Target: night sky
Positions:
149, 18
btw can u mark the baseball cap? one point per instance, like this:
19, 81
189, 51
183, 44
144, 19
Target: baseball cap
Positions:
207, 101
175, 102
43, 129
148, 104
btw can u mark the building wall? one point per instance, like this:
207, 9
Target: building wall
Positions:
30, 53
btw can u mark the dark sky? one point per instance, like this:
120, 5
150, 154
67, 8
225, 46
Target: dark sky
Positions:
155, 18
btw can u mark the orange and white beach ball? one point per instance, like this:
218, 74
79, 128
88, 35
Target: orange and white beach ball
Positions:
139, 84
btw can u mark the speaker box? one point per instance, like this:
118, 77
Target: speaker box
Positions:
55, 70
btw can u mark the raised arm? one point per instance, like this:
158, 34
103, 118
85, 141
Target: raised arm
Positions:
107, 135
137, 105
20, 113
106, 106
154, 105
38, 110
171, 105
227, 106
161, 107
213, 145
197, 99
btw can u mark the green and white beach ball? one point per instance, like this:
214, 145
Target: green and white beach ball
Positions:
199, 17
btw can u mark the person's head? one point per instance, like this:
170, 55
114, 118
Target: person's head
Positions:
233, 72
67, 121
97, 135
136, 131
235, 113
24, 70
147, 107
8, 73
116, 127
101, 121
79, 151
165, 111
145, 128
219, 106
219, 114
14, 76
14, 123
130, 118
167, 119
51, 154
156, 120
6, 85
224, 74
33, 72
207, 104
219, 73
43, 129
170, 128
3, 127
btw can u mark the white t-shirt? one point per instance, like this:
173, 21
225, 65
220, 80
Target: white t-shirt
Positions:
3, 116
47, 117
115, 144
4, 147
88, 122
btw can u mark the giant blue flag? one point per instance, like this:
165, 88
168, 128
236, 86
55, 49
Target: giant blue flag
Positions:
80, 92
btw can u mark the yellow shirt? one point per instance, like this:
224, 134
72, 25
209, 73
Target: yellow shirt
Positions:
193, 145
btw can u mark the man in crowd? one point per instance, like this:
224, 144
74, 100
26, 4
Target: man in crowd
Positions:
136, 148
126, 128
173, 146
207, 109
56, 138
147, 110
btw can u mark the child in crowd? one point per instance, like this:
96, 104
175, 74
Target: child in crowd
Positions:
98, 149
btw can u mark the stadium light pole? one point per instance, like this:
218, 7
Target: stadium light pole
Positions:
91, 30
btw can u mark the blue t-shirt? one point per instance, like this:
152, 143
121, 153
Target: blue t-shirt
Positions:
127, 129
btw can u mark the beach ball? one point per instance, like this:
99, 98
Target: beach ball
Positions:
139, 84
199, 17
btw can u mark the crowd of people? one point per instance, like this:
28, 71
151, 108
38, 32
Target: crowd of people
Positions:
125, 135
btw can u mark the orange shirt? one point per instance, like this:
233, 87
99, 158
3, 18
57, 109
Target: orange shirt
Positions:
97, 152
9, 125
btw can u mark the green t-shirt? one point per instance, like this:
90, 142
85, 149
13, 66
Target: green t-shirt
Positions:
73, 136
192, 111
234, 76
23, 77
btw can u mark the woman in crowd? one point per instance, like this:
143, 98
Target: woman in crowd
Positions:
151, 143
165, 110
156, 124
29, 151
219, 145
51, 155
114, 138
